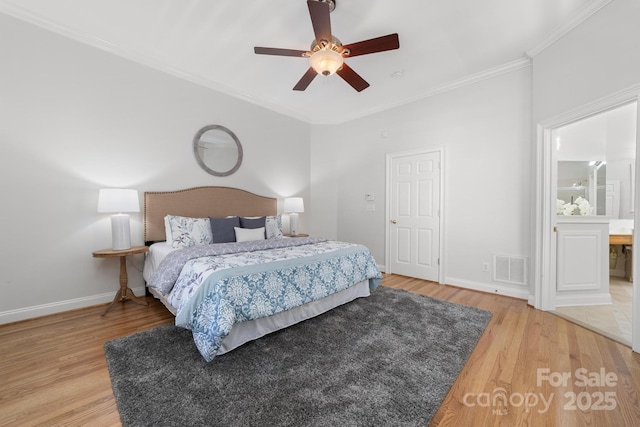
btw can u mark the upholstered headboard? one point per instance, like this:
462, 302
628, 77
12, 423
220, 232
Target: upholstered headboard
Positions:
201, 202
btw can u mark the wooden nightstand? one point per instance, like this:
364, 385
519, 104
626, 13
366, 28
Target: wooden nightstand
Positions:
124, 292
297, 235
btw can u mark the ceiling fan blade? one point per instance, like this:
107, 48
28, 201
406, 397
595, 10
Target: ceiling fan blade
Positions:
279, 52
379, 44
306, 79
319, 12
353, 78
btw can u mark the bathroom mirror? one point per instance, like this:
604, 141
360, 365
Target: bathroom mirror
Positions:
218, 150
586, 179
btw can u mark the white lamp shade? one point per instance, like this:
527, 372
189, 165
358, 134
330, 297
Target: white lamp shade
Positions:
293, 204
117, 200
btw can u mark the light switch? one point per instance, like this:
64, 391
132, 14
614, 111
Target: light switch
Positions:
371, 207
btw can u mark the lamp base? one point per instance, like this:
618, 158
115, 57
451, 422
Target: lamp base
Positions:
120, 232
293, 224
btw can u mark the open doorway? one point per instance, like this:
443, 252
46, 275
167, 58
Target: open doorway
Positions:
595, 159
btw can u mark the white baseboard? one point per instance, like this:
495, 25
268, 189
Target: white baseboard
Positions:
59, 306
519, 292
578, 300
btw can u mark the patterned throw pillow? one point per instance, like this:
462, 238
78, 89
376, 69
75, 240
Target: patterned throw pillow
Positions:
273, 225
187, 232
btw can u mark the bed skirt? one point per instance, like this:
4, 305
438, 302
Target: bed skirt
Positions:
244, 332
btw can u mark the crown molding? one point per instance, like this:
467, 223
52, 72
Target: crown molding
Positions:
584, 14
146, 60
517, 64
138, 57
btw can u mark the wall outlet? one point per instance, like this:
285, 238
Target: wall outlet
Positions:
485, 266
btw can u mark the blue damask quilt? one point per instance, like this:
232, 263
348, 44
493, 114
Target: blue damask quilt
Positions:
216, 286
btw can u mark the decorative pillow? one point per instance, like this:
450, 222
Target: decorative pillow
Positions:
222, 229
256, 222
249, 234
167, 229
273, 226
187, 232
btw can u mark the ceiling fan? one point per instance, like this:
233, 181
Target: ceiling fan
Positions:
327, 53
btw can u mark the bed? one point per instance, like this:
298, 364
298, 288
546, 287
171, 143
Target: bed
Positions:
231, 292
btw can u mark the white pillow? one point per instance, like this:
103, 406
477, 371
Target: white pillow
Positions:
249, 234
187, 232
167, 229
273, 224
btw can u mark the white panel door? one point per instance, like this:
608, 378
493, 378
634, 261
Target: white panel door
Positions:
414, 210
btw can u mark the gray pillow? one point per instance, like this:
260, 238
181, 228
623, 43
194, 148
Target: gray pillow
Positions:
254, 223
223, 230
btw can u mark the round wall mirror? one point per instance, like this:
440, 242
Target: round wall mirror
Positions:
217, 150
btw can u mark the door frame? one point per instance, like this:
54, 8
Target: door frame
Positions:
543, 250
387, 229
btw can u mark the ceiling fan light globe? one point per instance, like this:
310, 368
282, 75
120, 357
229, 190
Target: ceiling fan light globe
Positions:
326, 61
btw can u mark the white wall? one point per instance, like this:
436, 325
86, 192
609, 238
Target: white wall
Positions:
323, 218
485, 131
74, 119
596, 60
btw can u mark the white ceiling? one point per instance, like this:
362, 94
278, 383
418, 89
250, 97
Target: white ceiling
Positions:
443, 44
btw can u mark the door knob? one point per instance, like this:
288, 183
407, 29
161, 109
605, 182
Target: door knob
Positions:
393, 221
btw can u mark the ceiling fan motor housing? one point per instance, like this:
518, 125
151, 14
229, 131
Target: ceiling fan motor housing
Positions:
336, 45
331, 3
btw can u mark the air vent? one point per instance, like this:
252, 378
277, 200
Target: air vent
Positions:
509, 269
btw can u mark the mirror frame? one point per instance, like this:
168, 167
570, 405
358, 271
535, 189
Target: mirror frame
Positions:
196, 140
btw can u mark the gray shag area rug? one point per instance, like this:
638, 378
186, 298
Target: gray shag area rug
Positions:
386, 360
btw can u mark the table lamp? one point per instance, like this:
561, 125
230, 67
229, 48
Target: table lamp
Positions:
293, 205
119, 201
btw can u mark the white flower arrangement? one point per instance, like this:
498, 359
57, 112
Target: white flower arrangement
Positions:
580, 204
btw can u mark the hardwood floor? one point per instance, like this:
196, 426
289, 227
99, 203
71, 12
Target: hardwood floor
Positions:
53, 370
